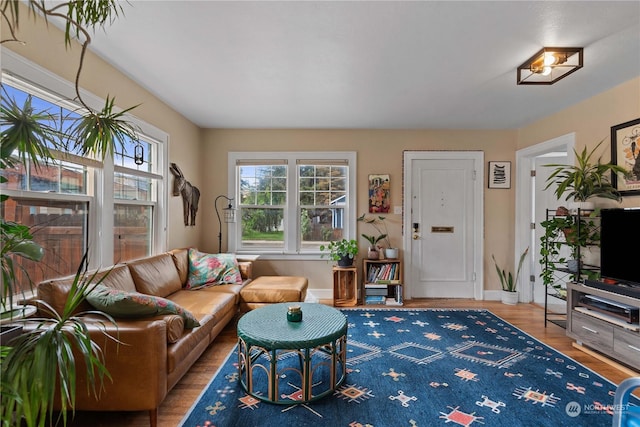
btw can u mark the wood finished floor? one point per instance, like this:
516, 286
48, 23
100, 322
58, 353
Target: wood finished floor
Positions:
528, 317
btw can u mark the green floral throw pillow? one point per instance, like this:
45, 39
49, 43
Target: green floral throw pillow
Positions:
119, 303
212, 269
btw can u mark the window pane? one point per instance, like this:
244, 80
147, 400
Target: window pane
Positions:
262, 227
61, 177
126, 157
130, 187
132, 232
60, 227
322, 185
320, 225
16, 178
263, 185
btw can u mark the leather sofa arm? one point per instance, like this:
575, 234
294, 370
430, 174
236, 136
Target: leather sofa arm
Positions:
246, 269
137, 365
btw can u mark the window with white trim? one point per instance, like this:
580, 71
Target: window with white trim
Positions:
289, 203
73, 203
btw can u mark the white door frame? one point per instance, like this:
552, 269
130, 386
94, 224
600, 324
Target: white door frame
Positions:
524, 196
478, 222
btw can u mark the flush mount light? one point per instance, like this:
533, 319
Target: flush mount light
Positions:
550, 65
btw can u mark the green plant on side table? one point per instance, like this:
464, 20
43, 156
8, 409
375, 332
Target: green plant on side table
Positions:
372, 252
343, 251
508, 281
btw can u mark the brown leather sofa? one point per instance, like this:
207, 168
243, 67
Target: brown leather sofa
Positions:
154, 352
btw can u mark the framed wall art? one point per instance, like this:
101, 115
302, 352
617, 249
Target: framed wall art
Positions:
499, 174
625, 152
379, 197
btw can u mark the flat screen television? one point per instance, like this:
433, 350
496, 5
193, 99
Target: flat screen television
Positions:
619, 255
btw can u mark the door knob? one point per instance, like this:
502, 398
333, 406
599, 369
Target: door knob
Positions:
416, 236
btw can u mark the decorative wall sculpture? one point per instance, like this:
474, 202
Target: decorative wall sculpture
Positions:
190, 194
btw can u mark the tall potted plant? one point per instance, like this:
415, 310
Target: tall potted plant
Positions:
40, 364
508, 281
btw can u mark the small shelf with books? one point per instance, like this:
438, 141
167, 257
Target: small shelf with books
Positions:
382, 282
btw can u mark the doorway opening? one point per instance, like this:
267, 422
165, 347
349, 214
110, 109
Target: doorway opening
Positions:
532, 202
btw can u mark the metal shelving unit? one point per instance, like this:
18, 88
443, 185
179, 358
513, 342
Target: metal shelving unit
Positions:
587, 232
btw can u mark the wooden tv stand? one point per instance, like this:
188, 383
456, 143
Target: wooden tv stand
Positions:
604, 333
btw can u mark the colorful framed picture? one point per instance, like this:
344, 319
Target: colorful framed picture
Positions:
379, 197
625, 152
499, 174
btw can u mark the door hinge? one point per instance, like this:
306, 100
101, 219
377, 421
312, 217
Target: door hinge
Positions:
473, 276
473, 175
532, 278
533, 172
533, 225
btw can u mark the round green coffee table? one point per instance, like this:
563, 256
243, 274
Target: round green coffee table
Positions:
266, 339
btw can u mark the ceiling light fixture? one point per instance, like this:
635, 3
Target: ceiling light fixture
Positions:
550, 65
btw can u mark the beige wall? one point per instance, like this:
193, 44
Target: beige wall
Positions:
378, 151
591, 120
45, 47
202, 154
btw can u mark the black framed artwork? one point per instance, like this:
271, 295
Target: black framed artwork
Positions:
499, 174
625, 152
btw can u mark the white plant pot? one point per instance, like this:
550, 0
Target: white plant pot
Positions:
510, 298
583, 206
391, 253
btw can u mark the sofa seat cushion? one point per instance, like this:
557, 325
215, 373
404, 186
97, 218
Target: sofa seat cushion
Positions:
156, 275
275, 289
124, 304
205, 303
212, 269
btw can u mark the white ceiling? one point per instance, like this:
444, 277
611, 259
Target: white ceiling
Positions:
364, 64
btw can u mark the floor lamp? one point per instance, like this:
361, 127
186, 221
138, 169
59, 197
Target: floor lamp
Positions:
229, 217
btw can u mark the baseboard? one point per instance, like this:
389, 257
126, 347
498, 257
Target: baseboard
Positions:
492, 295
313, 295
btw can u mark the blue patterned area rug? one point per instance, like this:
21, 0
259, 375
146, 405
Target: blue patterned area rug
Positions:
427, 367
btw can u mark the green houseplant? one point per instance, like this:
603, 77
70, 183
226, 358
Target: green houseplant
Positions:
40, 365
372, 252
379, 224
343, 251
586, 179
508, 281
562, 244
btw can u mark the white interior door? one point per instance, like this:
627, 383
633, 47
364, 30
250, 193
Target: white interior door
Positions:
444, 212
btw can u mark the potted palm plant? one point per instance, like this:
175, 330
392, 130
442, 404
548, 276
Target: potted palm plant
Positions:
508, 281
343, 251
39, 365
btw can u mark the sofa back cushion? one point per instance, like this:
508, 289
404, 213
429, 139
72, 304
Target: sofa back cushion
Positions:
55, 292
156, 275
181, 260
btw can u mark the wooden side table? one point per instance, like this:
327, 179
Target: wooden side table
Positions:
345, 286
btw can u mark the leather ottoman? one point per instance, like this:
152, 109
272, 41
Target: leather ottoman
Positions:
267, 290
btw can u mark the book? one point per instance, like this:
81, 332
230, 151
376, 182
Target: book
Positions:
377, 291
392, 301
375, 299
388, 282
